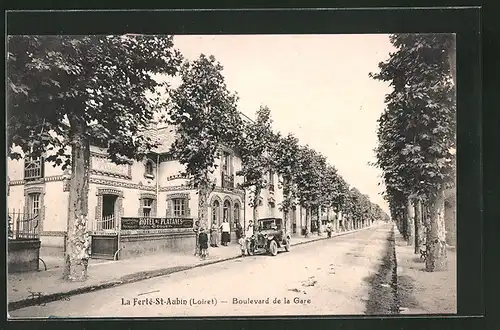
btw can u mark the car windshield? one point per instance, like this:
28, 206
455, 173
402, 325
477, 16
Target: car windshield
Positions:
267, 224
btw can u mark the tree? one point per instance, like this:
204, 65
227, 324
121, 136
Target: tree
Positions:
422, 105
206, 118
65, 92
285, 163
255, 150
310, 165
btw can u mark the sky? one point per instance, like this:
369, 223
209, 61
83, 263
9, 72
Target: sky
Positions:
317, 87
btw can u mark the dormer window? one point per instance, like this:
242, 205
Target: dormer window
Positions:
149, 167
33, 168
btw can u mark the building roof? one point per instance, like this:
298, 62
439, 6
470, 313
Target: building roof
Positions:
166, 135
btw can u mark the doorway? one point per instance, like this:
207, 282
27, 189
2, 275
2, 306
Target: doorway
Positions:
108, 216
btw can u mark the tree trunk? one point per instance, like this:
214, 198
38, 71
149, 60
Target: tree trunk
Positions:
255, 205
308, 221
436, 236
203, 206
419, 228
320, 232
78, 239
411, 222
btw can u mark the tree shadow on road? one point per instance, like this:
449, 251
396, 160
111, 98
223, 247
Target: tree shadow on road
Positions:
382, 296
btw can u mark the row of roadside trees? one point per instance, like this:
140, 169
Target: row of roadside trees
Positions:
66, 92
416, 149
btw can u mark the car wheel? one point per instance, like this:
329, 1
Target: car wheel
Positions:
273, 248
287, 245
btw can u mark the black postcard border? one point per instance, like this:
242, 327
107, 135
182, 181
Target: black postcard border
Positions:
463, 21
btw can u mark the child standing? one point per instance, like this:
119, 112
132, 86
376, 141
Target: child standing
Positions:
203, 243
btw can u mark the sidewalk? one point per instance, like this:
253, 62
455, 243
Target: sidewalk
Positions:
105, 274
422, 292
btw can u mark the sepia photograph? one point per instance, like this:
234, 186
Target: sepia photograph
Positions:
244, 175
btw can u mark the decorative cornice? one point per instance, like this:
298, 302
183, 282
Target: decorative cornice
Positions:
113, 175
30, 189
121, 184
229, 191
179, 195
108, 191
38, 181
175, 188
147, 195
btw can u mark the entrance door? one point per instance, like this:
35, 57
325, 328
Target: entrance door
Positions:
109, 214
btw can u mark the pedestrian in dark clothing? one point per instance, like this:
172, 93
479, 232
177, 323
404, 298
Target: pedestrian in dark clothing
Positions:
239, 231
203, 243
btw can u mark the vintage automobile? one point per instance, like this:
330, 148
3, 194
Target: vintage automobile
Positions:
270, 235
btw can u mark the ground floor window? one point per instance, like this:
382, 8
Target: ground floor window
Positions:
179, 209
178, 205
146, 208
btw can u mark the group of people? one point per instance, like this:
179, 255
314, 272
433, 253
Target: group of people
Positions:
202, 238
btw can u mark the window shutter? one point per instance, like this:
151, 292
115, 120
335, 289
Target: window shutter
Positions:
169, 208
153, 208
186, 207
139, 211
231, 164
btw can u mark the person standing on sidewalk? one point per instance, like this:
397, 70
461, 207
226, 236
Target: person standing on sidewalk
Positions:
196, 229
248, 235
214, 233
203, 243
225, 232
239, 231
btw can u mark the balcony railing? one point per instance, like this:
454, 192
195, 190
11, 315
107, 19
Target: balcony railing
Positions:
227, 181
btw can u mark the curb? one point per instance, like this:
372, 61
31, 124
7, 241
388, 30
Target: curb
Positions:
42, 300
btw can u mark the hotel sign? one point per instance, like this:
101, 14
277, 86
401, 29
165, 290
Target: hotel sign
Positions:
155, 223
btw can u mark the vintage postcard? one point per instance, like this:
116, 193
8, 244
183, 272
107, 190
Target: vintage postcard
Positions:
231, 175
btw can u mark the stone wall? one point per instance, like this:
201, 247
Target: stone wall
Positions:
23, 255
134, 245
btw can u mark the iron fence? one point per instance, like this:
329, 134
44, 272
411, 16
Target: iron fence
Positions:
23, 225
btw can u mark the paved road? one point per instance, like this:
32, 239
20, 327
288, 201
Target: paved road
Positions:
327, 277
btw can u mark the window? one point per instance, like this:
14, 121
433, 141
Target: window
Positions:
226, 211
179, 207
147, 207
215, 211
34, 204
236, 212
33, 168
149, 169
226, 163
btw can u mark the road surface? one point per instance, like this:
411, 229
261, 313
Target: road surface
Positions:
327, 277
